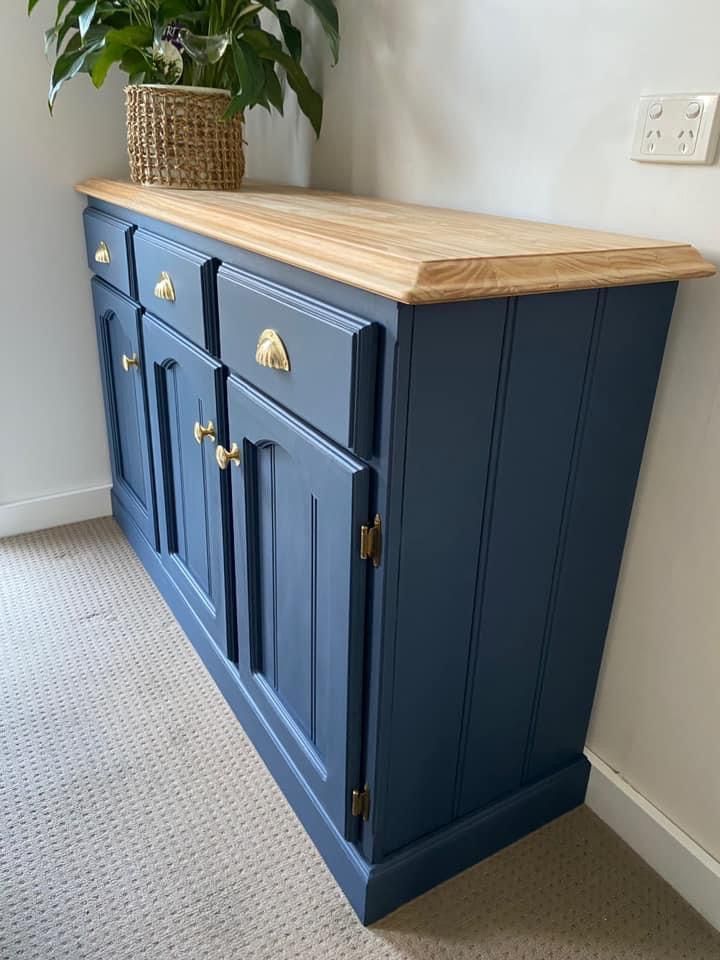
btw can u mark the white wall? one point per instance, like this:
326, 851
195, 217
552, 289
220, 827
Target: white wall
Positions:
527, 107
53, 451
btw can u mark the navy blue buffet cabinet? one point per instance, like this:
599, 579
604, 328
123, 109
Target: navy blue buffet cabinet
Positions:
380, 461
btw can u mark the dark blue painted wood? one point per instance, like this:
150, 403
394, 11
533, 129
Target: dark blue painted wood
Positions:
372, 890
536, 433
118, 330
184, 386
626, 365
117, 236
503, 450
352, 300
454, 372
465, 842
298, 503
333, 355
341, 857
193, 312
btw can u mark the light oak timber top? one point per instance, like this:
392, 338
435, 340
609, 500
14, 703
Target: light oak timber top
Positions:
409, 253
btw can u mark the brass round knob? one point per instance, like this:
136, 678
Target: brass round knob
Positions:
200, 432
225, 457
128, 362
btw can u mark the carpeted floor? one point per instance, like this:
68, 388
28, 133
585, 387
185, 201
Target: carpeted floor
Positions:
136, 821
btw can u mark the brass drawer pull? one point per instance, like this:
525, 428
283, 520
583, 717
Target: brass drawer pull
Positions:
128, 362
271, 351
102, 254
200, 432
225, 457
164, 289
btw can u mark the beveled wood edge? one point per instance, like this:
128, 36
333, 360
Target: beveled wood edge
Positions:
404, 280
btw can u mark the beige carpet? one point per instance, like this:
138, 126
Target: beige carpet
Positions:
137, 822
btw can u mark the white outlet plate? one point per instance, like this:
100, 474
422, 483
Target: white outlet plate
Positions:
677, 128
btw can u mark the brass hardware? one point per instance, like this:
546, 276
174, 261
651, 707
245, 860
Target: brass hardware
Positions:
200, 432
271, 351
371, 541
128, 362
225, 457
102, 254
361, 803
164, 289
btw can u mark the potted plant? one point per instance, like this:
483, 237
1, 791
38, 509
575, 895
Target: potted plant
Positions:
194, 68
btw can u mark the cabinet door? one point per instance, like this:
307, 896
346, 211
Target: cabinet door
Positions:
121, 362
184, 385
298, 503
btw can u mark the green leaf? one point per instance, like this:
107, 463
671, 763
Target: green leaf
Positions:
137, 36
135, 62
269, 47
110, 54
250, 72
50, 36
31, 6
328, 16
60, 8
67, 65
170, 9
273, 88
85, 18
291, 35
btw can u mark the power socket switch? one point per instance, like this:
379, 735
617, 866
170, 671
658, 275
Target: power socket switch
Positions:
677, 128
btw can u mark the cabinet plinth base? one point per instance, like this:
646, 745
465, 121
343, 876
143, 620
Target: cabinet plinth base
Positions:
373, 890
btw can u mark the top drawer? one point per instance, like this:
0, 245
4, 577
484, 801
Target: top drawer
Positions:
313, 359
109, 249
177, 285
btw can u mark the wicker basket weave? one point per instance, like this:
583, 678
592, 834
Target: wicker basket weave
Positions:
176, 138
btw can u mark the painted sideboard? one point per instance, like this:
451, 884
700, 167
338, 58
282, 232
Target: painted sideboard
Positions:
380, 460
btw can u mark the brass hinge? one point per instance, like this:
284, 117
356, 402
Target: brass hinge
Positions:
361, 803
371, 541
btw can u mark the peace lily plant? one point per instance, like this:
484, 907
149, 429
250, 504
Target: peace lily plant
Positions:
194, 67
221, 44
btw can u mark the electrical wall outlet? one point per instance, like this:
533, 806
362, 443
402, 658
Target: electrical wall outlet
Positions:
677, 128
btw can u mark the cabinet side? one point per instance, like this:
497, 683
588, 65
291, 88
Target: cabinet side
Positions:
626, 363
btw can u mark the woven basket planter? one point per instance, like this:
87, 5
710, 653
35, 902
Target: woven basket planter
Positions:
177, 138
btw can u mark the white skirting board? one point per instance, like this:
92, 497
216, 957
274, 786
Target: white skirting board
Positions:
23, 516
680, 861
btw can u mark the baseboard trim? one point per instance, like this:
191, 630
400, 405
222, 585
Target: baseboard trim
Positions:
434, 859
39, 513
679, 860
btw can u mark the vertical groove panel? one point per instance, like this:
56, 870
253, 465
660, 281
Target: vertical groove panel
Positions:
629, 357
546, 373
454, 376
313, 616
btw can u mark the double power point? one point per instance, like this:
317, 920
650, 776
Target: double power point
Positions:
677, 128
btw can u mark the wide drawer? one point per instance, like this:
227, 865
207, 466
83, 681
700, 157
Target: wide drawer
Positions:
109, 249
314, 359
177, 285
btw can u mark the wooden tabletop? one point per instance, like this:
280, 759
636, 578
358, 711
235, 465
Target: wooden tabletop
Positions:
409, 253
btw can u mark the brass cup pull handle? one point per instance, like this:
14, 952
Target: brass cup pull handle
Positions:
226, 457
128, 362
271, 351
200, 432
164, 289
102, 254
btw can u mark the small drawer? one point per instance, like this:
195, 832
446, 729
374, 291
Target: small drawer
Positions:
109, 249
316, 360
177, 285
